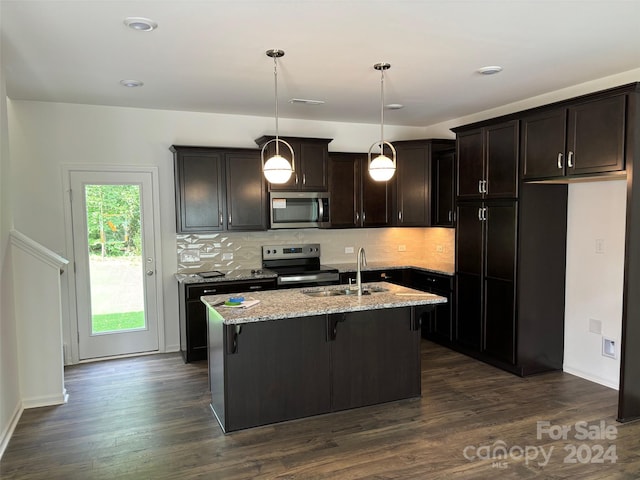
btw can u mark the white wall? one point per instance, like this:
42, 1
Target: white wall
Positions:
596, 212
45, 136
10, 405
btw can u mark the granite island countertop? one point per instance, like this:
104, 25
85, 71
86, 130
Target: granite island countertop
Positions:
293, 302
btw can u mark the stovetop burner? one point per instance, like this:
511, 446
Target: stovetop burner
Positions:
298, 265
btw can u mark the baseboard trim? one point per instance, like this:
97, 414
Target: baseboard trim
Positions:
45, 401
588, 376
8, 432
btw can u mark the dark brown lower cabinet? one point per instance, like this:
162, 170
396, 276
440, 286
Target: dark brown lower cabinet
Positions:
376, 357
272, 371
193, 313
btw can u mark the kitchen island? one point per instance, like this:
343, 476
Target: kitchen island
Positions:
303, 352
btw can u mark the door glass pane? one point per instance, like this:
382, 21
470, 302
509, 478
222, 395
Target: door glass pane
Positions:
115, 258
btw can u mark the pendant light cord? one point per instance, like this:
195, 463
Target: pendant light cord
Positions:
382, 111
275, 77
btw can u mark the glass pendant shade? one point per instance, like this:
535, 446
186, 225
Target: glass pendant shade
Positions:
381, 168
277, 169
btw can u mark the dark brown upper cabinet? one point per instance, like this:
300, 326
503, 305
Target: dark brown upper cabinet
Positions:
413, 182
587, 138
311, 163
356, 199
219, 189
443, 188
487, 161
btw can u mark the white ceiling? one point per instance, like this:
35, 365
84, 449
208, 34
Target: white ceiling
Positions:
209, 56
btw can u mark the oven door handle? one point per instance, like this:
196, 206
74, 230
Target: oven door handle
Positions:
321, 277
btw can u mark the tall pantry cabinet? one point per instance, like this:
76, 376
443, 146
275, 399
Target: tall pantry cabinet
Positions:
495, 222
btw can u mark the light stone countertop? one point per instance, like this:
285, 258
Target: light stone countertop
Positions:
291, 303
229, 276
442, 268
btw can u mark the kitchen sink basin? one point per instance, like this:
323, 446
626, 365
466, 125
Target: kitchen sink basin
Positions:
335, 292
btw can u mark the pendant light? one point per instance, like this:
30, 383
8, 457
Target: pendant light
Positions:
277, 169
382, 167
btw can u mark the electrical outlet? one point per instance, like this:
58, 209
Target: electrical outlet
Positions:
439, 248
402, 248
348, 249
609, 348
599, 245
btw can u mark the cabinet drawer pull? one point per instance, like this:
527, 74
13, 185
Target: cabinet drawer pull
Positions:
560, 160
570, 159
256, 287
213, 290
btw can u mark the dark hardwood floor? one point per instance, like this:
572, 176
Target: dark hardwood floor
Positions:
149, 418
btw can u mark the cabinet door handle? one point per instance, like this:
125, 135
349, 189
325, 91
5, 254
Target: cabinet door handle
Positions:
480, 213
479, 186
560, 160
484, 214
229, 217
400, 216
296, 178
484, 186
570, 159
364, 217
450, 216
357, 217
304, 178
220, 218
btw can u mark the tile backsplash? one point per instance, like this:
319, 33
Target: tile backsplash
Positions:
242, 250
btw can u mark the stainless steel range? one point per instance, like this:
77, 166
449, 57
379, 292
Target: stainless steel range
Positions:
298, 265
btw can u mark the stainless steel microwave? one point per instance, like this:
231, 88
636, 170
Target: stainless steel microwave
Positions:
299, 209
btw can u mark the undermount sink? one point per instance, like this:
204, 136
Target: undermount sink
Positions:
335, 292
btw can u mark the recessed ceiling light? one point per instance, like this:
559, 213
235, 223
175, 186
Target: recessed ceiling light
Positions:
306, 101
131, 83
140, 23
490, 70
394, 106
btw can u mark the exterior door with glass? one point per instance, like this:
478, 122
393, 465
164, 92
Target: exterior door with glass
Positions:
115, 262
